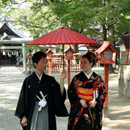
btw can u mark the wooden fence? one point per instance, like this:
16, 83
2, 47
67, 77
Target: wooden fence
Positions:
57, 68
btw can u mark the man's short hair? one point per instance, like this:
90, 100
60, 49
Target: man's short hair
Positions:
37, 56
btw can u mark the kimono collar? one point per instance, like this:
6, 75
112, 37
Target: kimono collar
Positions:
39, 77
88, 76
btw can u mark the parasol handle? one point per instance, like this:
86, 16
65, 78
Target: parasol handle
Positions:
63, 55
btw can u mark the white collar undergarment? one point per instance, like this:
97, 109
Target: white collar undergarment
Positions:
39, 77
88, 76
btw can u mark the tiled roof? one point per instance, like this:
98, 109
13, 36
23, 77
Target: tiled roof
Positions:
10, 31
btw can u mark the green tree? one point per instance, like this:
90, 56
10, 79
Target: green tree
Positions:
3, 4
84, 16
38, 19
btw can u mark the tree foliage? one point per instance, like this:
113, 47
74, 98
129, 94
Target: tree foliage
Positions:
107, 18
111, 16
5, 2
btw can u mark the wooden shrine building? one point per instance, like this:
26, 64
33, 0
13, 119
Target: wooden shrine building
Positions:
124, 67
12, 45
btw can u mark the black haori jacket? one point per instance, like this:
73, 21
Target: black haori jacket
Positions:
50, 87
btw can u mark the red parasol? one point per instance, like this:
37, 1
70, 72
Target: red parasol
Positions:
62, 36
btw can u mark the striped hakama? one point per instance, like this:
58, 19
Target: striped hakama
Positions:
39, 118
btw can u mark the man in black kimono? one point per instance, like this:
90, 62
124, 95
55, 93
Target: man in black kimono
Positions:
41, 98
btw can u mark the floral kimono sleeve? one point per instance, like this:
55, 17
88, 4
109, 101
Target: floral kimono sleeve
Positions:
101, 94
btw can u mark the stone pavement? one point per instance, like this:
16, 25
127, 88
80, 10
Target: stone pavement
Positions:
11, 79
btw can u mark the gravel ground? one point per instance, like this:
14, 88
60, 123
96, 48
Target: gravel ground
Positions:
11, 79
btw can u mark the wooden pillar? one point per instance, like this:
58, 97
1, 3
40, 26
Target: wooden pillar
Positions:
106, 78
68, 68
60, 60
24, 58
49, 67
54, 60
29, 64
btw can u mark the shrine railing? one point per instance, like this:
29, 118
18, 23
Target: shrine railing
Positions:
57, 68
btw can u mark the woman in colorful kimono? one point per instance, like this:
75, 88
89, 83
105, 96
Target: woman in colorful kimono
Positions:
87, 95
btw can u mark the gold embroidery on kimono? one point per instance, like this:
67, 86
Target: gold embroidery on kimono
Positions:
85, 93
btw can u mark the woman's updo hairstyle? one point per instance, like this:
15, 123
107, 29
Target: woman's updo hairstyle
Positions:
91, 57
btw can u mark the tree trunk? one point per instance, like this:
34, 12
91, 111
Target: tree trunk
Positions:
104, 33
111, 70
76, 48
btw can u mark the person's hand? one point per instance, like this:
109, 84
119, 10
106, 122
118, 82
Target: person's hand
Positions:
83, 103
24, 121
92, 103
63, 74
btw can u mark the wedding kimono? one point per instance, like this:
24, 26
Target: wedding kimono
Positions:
88, 89
29, 98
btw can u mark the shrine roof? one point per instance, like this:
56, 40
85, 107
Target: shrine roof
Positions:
125, 39
10, 30
69, 49
104, 46
50, 51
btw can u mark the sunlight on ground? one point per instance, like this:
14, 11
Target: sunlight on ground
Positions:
116, 124
8, 96
8, 106
120, 109
113, 82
